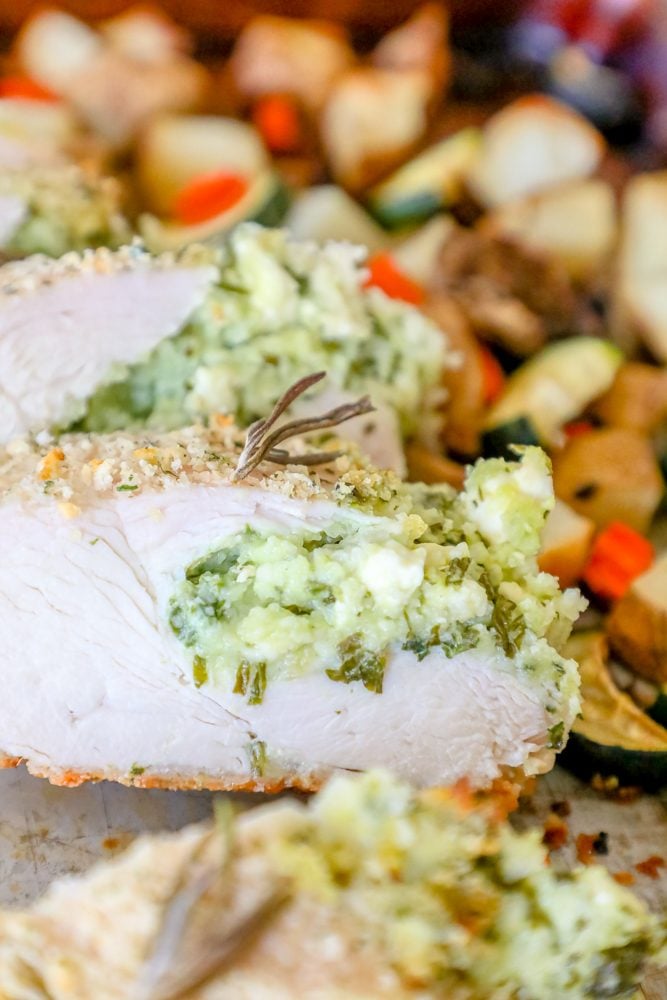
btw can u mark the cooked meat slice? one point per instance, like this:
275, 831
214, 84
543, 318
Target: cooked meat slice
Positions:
172, 340
64, 324
195, 630
368, 891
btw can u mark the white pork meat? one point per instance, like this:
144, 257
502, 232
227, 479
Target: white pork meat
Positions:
164, 624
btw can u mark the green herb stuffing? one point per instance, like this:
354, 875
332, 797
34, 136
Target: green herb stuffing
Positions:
257, 756
401, 565
280, 310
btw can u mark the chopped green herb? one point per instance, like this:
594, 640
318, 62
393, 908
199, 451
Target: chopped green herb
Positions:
456, 569
251, 682
508, 624
457, 640
556, 735
359, 664
199, 671
47, 485
126, 488
257, 754
93, 541
136, 771
219, 562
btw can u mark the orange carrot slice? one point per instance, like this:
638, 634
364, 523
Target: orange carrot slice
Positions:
386, 275
208, 195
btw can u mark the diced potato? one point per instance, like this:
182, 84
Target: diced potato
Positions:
329, 213
283, 55
566, 542
574, 222
637, 398
145, 34
175, 148
112, 92
637, 626
465, 383
420, 43
426, 466
641, 289
54, 47
533, 144
372, 120
418, 255
610, 475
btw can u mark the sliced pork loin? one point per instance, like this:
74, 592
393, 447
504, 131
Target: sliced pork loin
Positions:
65, 323
165, 624
368, 891
124, 340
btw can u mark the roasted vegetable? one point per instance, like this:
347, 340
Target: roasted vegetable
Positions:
613, 737
532, 144
426, 466
420, 43
637, 626
433, 180
418, 255
566, 542
465, 383
372, 120
575, 223
286, 55
641, 289
174, 149
556, 385
329, 213
637, 398
513, 295
609, 475
500, 441
114, 90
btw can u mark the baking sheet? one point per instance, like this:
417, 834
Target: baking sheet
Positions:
46, 832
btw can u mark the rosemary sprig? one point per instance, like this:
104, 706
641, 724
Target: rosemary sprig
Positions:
262, 436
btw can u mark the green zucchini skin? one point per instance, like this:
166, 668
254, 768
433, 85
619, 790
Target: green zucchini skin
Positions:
645, 769
497, 441
274, 209
658, 710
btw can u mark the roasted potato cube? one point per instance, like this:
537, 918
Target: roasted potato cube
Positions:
637, 626
465, 384
575, 222
566, 542
532, 144
372, 120
283, 55
609, 475
426, 466
420, 43
640, 305
637, 398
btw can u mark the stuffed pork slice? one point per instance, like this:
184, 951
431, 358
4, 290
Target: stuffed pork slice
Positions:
367, 891
66, 325
167, 624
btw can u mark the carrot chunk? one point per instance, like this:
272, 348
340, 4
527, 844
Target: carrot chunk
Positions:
386, 275
276, 118
208, 195
619, 555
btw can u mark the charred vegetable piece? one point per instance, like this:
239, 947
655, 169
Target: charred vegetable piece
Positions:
610, 475
637, 626
613, 737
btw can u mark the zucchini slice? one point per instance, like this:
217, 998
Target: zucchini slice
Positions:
613, 737
433, 180
326, 212
266, 202
555, 385
497, 442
